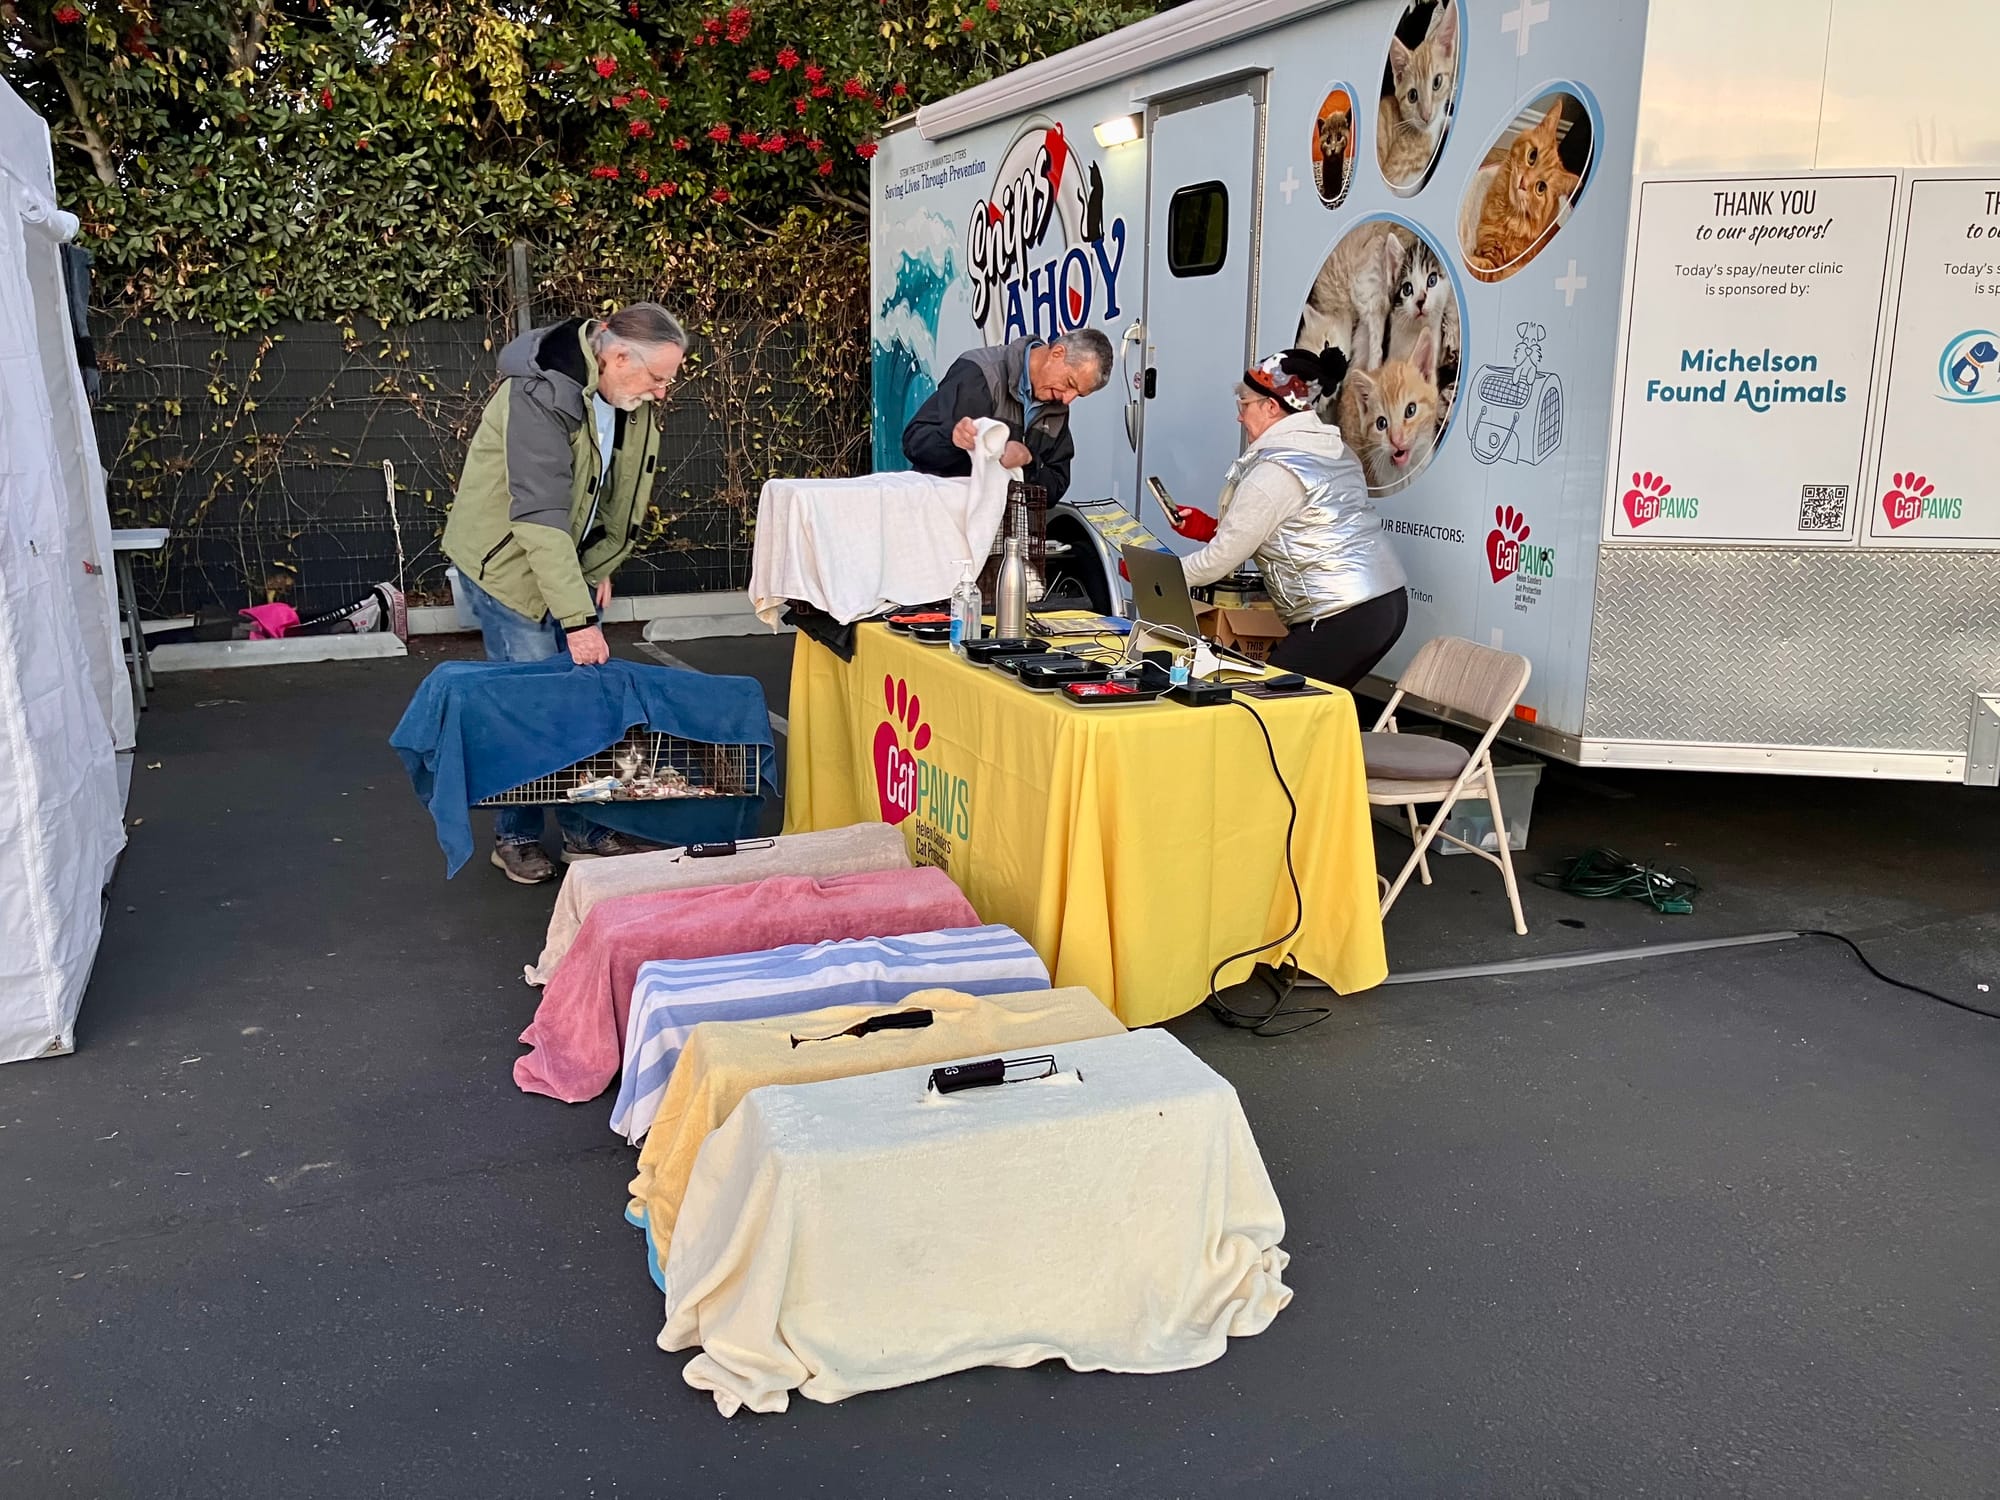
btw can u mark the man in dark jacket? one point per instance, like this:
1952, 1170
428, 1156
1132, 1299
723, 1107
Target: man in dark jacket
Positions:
1028, 385
555, 487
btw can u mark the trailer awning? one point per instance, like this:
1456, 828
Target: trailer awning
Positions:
1181, 32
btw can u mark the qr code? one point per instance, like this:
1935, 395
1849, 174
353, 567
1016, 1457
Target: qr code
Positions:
1823, 507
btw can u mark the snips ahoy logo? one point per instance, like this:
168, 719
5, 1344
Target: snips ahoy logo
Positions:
1016, 289
1507, 552
1651, 497
906, 785
1912, 497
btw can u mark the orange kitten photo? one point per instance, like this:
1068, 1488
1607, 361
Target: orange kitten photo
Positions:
1522, 192
1333, 147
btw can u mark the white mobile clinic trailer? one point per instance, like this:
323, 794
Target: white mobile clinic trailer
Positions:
1709, 422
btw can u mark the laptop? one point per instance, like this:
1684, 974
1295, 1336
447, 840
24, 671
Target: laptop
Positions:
1159, 591
1161, 600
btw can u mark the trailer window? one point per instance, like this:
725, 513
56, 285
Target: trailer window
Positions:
1198, 229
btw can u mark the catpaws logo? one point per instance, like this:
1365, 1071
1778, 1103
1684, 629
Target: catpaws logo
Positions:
1912, 497
1510, 555
1650, 498
895, 767
1503, 542
909, 786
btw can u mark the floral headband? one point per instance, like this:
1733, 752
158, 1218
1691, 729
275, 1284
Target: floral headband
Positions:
1293, 392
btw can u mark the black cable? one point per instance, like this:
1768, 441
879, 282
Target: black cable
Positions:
1285, 975
1915, 989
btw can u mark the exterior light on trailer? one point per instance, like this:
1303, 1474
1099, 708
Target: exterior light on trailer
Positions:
1119, 130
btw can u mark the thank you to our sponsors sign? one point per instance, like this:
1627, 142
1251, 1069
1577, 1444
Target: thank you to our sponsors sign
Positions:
1937, 475
1750, 358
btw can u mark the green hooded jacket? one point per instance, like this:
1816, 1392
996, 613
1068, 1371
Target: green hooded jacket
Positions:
530, 523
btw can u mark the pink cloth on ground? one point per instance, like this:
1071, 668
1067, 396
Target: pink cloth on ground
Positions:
578, 1034
269, 622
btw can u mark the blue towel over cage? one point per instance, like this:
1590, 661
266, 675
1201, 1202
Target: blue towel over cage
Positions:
490, 733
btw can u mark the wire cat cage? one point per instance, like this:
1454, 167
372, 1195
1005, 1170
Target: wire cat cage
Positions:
644, 767
1027, 518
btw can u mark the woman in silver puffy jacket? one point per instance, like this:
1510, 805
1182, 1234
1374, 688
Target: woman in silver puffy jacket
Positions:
1297, 502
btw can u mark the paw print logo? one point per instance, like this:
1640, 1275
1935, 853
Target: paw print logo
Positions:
1503, 542
1642, 501
896, 767
1905, 501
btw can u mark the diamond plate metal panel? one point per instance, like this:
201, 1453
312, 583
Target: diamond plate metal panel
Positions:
1761, 646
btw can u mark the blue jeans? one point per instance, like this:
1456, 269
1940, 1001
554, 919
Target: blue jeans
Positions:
510, 636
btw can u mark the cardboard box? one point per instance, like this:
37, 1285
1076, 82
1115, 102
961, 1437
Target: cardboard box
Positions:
1253, 632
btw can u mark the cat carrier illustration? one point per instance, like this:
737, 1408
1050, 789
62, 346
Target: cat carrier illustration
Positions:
643, 767
1520, 407
1676, 394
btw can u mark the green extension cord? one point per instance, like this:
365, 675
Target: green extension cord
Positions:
1604, 873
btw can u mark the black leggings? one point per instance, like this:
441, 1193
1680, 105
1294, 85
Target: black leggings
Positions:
1342, 648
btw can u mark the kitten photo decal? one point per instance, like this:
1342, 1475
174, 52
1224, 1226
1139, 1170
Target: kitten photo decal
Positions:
1419, 89
1385, 311
1527, 182
1333, 146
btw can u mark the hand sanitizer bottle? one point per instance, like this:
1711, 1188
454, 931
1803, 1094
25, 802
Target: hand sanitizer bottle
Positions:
966, 613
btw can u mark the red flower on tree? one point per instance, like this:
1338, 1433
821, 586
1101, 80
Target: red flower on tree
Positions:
619, 101
993, 6
826, 169
720, 195
606, 66
854, 88
680, 143
774, 144
739, 26
362, 144
632, 10
816, 146
821, 90
966, 24
760, 75
326, 98
801, 104
712, 26
720, 133
68, 15
749, 138
899, 90
639, 129
866, 150
643, 175
605, 172
788, 58
814, 72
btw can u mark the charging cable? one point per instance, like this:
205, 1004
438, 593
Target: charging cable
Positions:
1284, 977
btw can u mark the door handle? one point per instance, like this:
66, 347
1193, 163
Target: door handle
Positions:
1151, 383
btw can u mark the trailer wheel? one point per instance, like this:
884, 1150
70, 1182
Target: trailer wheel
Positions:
1079, 573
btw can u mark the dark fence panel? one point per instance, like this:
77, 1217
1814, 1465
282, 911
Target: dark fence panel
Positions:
270, 449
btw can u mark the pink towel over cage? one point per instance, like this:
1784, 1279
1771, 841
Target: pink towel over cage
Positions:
578, 1032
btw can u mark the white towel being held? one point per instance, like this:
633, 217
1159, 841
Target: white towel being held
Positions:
857, 547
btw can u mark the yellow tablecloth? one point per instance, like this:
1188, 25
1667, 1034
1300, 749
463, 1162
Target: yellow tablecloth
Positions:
724, 1060
1134, 847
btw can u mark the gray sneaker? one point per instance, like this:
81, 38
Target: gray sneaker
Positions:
606, 844
524, 864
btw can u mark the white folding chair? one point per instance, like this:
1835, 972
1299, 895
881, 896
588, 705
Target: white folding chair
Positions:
1412, 770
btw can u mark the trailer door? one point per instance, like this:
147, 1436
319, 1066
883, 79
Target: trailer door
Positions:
1201, 248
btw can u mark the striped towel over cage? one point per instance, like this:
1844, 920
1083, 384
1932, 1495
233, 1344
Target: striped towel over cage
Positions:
673, 996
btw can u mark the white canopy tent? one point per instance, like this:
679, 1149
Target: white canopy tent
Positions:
65, 699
